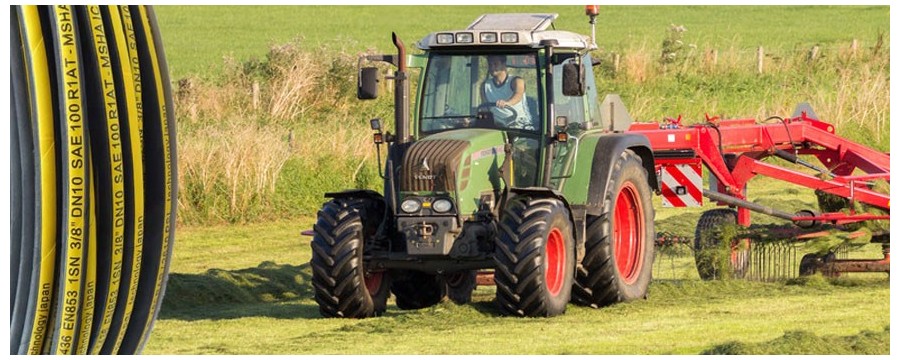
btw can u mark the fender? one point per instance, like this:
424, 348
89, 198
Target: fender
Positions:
356, 193
608, 149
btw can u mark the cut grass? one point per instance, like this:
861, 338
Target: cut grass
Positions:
245, 290
804, 342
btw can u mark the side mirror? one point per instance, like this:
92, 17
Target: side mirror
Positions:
573, 79
367, 87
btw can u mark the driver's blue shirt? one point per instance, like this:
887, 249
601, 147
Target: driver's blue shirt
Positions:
504, 91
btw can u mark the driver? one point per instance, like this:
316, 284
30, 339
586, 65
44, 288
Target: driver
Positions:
507, 94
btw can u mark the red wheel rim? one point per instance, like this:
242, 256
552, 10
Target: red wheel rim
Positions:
373, 282
556, 261
628, 233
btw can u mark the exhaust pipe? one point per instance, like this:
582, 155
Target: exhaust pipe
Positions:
401, 93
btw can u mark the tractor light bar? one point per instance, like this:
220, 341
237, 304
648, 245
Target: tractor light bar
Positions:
509, 37
444, 38
465, 38
488, 37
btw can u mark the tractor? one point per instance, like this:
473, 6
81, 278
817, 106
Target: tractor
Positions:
548, 191
509, 168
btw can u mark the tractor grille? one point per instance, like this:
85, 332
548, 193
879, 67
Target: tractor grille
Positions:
430, 165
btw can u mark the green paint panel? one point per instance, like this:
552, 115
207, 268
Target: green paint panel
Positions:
576, 187
480, 161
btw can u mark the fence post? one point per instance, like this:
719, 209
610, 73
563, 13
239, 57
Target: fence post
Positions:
255, 91
759, 60
813, 54
616, 59
712, 58
854, 47
389, 85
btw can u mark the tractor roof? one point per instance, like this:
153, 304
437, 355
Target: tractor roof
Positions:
507, 30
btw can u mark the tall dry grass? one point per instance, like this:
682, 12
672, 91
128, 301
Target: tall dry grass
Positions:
268, 137
237, 133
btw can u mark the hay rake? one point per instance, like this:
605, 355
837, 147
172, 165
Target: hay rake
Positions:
847, 185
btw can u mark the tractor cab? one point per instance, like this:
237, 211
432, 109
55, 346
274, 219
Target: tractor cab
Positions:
512, 73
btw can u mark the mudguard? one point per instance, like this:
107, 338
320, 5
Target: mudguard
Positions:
357, 194
608, 149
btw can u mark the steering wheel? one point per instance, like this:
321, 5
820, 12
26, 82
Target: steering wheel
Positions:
496, 113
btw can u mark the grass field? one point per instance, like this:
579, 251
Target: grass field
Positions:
245, 289
197, 37
264, 305
253, 175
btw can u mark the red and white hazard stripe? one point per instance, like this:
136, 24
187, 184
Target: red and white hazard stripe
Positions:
682, 185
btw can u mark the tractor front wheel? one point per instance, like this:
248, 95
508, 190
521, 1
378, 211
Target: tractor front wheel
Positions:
535, 257
619, 243
460, 286
343, 286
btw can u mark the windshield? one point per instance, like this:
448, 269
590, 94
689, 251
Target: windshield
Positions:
480, 91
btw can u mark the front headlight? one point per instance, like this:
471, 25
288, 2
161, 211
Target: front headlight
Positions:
410, 206
442, 205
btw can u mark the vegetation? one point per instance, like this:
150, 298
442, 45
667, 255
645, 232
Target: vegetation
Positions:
264, 138
266, 132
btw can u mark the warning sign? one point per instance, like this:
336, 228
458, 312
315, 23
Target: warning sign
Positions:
682, 185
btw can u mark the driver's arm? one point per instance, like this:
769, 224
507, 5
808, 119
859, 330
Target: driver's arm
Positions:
519, 92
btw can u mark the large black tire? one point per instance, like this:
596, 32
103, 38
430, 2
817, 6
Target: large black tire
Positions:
460, 286
343, 286
619, 243
535, 257
417, 290
712, 259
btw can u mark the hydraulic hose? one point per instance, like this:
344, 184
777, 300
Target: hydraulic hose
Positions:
89, 253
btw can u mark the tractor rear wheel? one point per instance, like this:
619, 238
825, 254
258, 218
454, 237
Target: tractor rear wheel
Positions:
417, 290
343, 286
713, 260
535, 257
619, 243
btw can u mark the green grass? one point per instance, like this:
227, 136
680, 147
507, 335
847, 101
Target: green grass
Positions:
197, 37
334, 151
246, 290
804, 342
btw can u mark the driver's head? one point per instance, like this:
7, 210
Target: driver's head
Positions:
496, 63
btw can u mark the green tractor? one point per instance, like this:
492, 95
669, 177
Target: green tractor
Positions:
507, 162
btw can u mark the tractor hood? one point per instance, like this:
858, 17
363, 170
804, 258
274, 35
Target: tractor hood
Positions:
462, 165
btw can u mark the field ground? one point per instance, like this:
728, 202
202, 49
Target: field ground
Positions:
246, 290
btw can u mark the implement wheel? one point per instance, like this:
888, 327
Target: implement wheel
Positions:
713, 260
343, 286
417, 290
535, 257
619, 243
